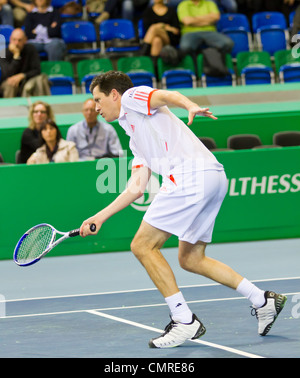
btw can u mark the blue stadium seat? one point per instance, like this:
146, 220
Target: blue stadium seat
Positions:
262, 19
60, 75
233, 21
6, 31
141, 29
118, 36
140, 69
255, 68
143, 78
270, 31
178, 78
287, 66
62, 85
80, 32
181, 75
241, 40
87, 69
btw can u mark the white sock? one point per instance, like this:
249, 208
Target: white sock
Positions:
180, 311
253, 293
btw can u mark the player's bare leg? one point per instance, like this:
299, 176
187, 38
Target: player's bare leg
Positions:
267, 305
193, 259
146, 247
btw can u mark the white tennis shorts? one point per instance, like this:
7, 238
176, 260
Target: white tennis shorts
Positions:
189, 210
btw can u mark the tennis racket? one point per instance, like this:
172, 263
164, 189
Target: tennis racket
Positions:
40, 240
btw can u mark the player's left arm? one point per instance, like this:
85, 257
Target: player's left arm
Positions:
135, 189
174, 98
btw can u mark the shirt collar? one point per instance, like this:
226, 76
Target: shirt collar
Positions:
122, 113
85, 125
49, 9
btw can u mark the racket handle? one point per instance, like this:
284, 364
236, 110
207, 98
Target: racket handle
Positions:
93, 227
74, 233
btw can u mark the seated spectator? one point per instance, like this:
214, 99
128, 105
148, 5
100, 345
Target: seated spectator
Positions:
199, 18
6, 13
20, 10
162, 28
39, 112
21, 70
43, 30
93, 138
54, 148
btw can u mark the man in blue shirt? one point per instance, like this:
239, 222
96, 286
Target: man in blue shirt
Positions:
94, 139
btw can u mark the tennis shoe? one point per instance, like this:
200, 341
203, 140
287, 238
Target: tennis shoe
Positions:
267, 314
177, 333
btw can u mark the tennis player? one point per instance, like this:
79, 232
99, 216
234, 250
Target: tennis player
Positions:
193, 188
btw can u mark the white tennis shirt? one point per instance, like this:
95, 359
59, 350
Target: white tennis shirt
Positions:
159, 139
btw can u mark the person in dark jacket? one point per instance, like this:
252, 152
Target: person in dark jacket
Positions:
43, 30
20, 67
162, 28
39, 112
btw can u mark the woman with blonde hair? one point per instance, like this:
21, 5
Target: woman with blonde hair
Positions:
54, 148
39, 112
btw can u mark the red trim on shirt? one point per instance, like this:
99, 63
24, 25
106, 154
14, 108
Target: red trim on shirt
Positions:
137, 166
143, 96
149, 99
171, 177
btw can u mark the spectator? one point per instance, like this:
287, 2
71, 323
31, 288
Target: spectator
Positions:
54, 148
162, 28
43, 29
94, 139
6, 13
21, 71
39, 112
199, 18
20, 10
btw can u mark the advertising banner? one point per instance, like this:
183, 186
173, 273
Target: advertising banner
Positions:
263, 200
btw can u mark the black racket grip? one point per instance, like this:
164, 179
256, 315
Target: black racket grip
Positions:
74, 233
77, 231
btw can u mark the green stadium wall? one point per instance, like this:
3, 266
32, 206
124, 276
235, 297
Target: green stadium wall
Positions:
263, 200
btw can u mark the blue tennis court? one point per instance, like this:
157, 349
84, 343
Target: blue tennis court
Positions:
105, 306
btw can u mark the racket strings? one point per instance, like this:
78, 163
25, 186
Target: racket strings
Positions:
34, 244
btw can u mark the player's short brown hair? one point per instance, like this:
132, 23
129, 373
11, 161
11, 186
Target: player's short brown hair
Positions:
111, 80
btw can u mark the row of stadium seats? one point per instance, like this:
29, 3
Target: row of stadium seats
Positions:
239, 142
251, 68
269, 32
253, 141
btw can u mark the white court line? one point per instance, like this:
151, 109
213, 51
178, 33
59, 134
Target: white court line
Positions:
99, 312
128, 307
140, 290
212, 345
